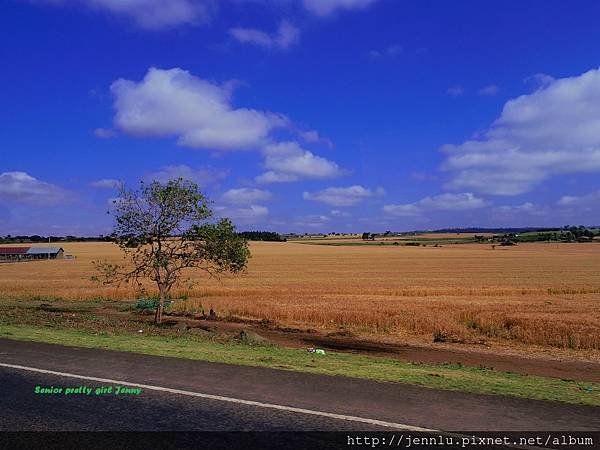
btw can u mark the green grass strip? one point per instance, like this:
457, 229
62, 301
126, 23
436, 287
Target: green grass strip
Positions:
449, 377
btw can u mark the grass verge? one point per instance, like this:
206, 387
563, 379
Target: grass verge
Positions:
449, 377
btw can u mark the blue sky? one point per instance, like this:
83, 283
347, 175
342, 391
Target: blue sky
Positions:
303, 115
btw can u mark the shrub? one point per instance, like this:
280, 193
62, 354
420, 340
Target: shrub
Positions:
149, 304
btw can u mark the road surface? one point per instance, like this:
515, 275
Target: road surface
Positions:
179, 394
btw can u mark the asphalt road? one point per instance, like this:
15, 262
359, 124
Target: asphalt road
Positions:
404, 405
23, 409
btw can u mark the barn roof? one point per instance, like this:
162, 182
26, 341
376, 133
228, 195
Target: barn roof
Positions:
13, 250
43, 250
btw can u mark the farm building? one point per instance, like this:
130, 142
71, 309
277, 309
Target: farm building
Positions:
29, 253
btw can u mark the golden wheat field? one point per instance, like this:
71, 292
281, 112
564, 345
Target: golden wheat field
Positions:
534, 294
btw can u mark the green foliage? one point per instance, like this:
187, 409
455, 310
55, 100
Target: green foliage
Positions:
565, 234
262, 236
165, 229
149, 304
25, 239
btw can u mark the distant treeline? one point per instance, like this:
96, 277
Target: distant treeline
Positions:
33, 239
566, 233
262, 236
507, 230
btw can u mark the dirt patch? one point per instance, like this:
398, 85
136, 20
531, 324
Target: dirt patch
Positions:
116, 318
348, 343
567, 370
269, 332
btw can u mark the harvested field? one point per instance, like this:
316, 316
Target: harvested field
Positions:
533, 295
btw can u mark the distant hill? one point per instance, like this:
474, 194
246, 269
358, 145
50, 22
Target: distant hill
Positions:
496, 230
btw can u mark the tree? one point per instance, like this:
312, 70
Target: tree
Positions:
165, 229
262, 236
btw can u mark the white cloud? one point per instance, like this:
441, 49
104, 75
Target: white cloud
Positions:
455, 91
313, 137
540, 79
339, 213
285, 36
568, 209
166, 14
584, 201
275, 177
327, 7
246, 196
105, 133
199, 113
150, 14
311, 221
337, 196
249, 214
444, 202
22, 187
288, 161
452, 202
555, 130
106, 183
203, 175
404, 210
490, 90
310, 136
526, 208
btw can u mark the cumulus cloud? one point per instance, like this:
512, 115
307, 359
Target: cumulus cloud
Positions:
539, 79
311, 221
22, 187
327, 7
275, 177
313, 137
285, 36
167, 14
247, 214
246, 196
106, 183
288, 161
199, 113
526, 208
342, 196
150, 14
403, 210
444, 202
552, 131
203, 176
310, 136
584, 201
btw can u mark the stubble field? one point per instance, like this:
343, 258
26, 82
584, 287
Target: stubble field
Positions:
534, 295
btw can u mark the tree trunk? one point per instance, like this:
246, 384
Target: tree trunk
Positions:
159, 312
160, 307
